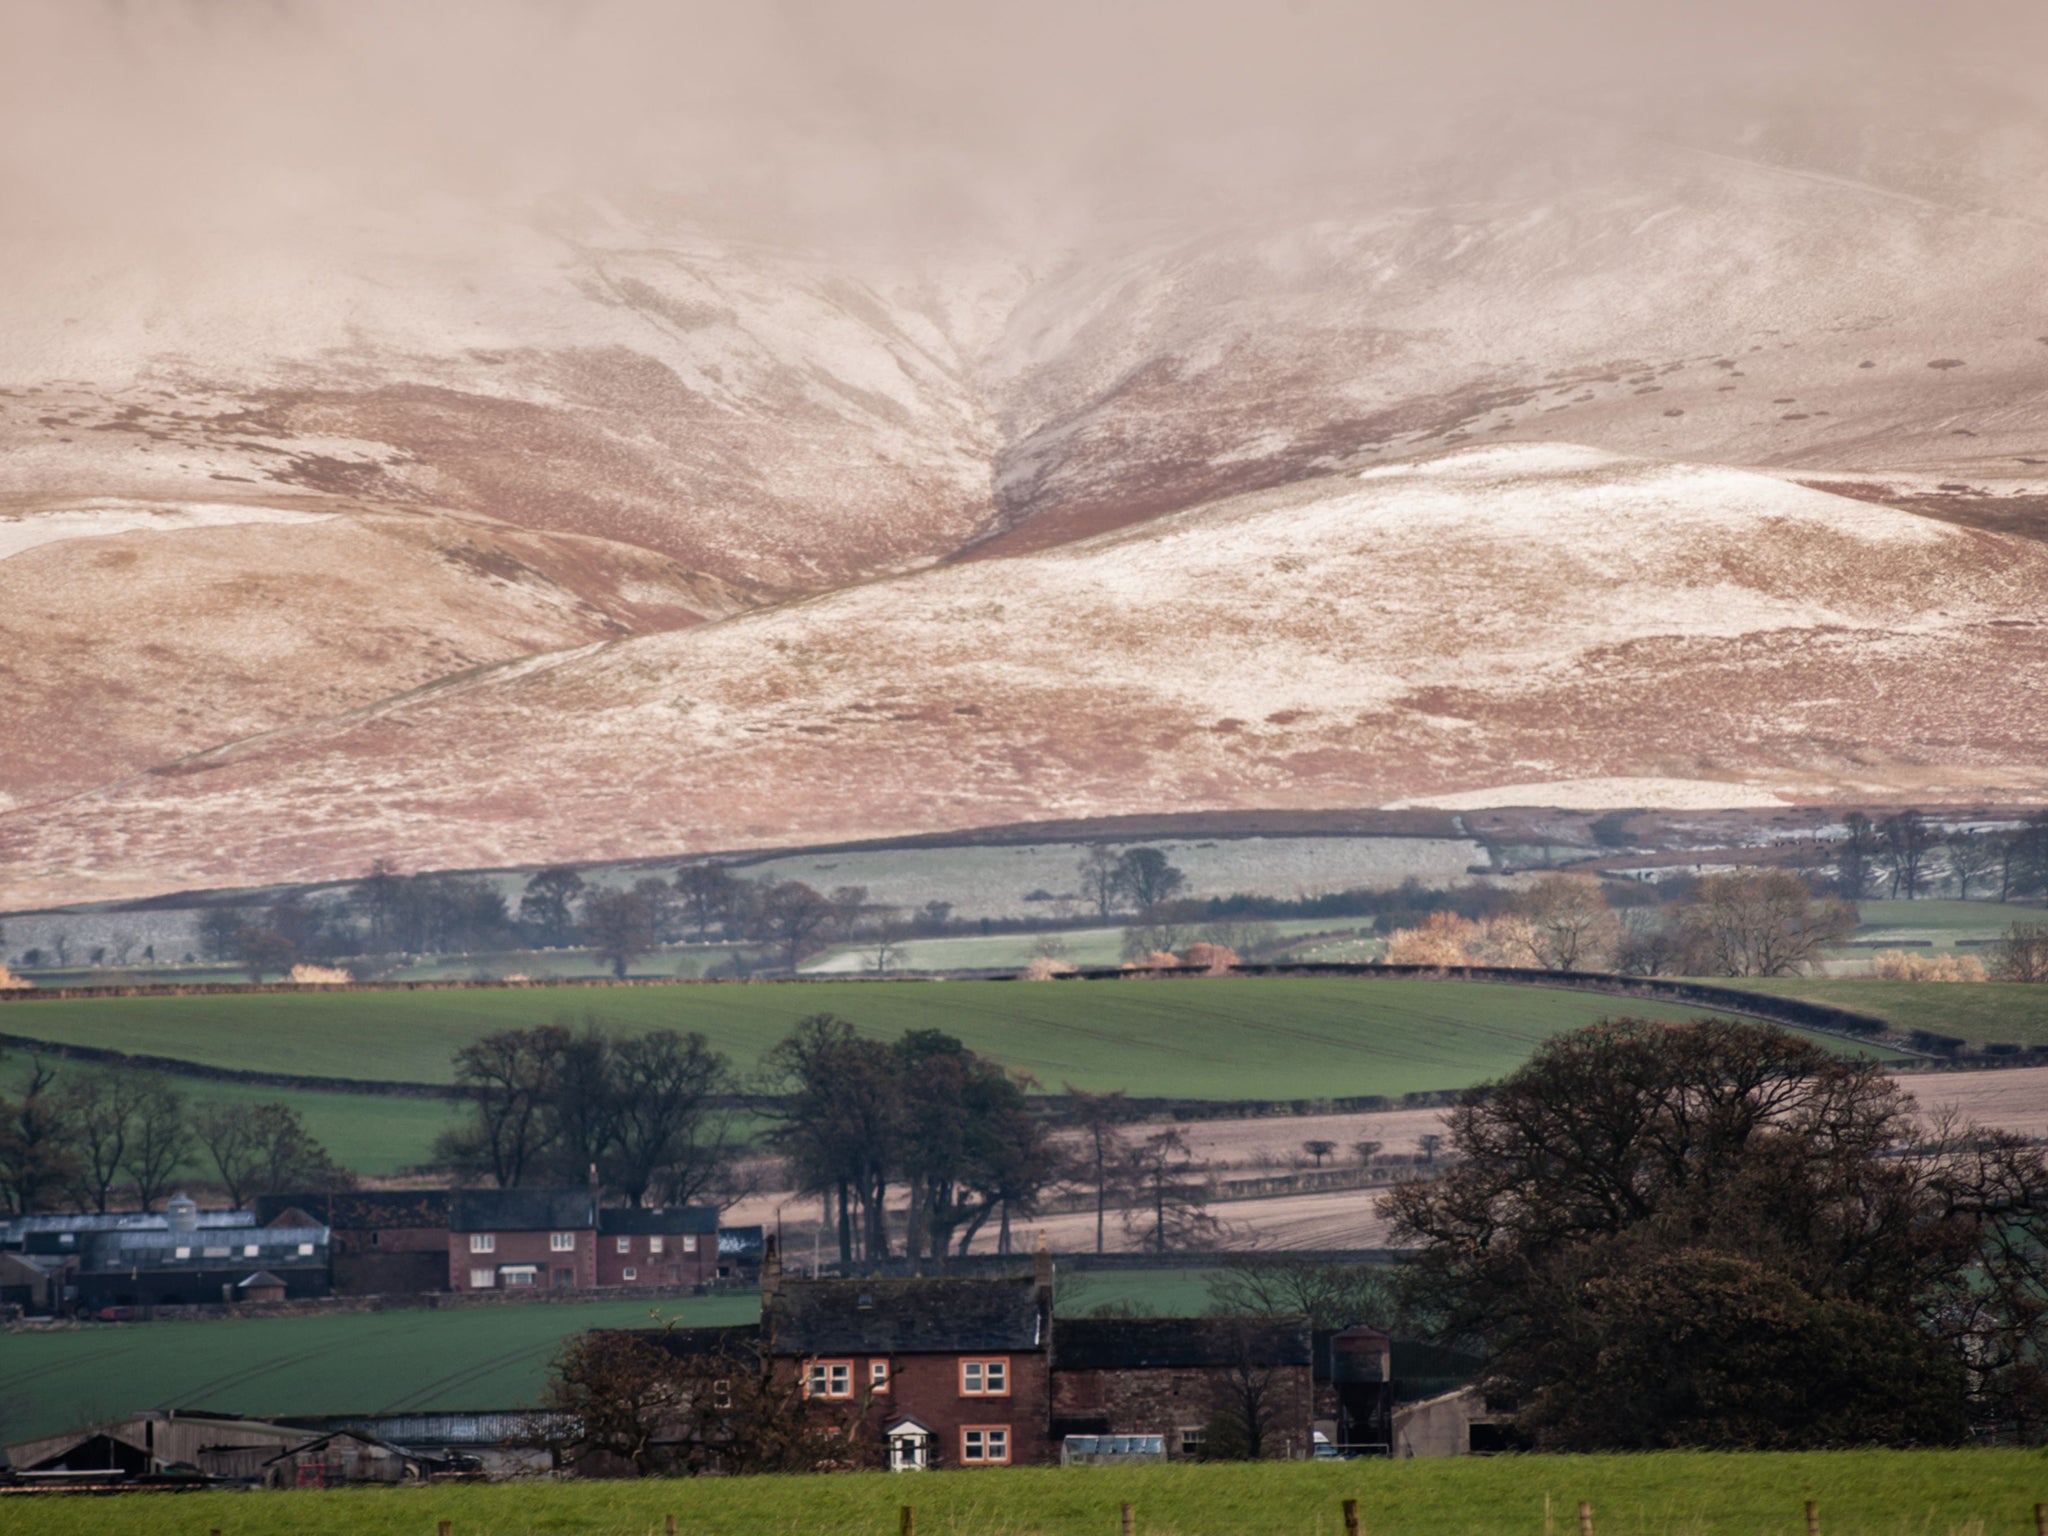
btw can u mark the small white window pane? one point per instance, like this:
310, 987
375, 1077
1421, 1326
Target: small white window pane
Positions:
625, 1245
305, 1250
483, 1279
689, 1242
250, 1250
654, 1244
632, 1273
184, 1253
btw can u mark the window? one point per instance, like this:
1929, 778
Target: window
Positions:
483, 1242
249, 1250
562, 1242
625, 1245
654, 1244
878, 1375
689, 1242
1191, 1441
830, 1378
523, 1274
184, 1253
631, 1273
483, 1279
721, 1392
984, 1378
985, 1445
305, 1250
214, 1253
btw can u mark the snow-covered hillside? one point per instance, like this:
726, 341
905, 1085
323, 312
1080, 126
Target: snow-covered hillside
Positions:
1493, 617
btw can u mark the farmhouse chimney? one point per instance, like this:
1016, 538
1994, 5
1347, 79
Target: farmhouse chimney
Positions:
1041, 1268
771, 1270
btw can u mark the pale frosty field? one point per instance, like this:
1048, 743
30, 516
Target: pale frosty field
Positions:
993, 881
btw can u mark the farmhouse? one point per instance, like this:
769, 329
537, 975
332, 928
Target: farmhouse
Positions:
514, 1238
974, 1372
657, 1247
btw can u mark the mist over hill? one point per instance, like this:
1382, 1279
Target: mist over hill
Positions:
648, 383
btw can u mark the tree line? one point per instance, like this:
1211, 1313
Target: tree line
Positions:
106, 1141
919, 1125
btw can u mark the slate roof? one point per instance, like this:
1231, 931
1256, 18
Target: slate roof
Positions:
364, 1210
523, 1210
728, 1339
623, 1220
1193, 1343
905, 1317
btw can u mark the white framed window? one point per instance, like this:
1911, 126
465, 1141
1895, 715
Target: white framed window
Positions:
525, 1275
305, 1250
829, 1378
625, 1245
689, 1242
654, 1243
213, 1253
562, 1242
250, 1250
483, 1279
483, 1242
184, 1253
985, 1445
878, 1375
985, 1378
721, 1392
630, 1272
1191, 1438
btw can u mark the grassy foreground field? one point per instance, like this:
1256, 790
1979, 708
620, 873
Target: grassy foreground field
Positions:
1263, 1038
1859, 1493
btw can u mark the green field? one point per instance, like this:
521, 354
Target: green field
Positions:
1975, 1011
1254, 1038
377, 1362
370, 1133
1859, 1493
1940, 922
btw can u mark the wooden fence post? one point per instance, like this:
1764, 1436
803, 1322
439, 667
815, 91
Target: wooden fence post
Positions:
671, 1525
1351, 1517
1812, 1518
1129, 1522
1585, 1518
906, 1521
446, 1527
2041, 1520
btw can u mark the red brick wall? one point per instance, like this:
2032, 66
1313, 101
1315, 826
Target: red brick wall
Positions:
1164, 1402
523, 1248
927, 1388
674, 1265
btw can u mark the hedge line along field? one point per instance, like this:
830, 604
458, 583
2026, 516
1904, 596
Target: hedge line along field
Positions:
375, 1362
1976, 1011
1218, 1038
1858, 1493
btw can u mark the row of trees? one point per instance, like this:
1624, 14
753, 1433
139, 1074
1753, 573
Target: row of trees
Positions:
649, 1114
1904, 857
117, 1140
1764, 922
865, 1125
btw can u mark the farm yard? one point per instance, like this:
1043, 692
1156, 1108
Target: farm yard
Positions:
1857, 1493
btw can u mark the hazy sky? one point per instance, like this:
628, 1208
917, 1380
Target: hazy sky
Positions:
932, 113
